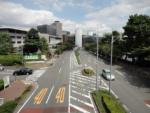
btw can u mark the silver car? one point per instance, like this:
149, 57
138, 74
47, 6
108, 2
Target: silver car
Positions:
106, 74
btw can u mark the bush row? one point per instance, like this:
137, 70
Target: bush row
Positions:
1, 85
107, 103
9, 60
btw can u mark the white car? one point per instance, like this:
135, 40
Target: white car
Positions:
1, 68
106, 74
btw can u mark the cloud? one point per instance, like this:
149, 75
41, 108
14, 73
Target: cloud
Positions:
16, 14
59, 5
116, 15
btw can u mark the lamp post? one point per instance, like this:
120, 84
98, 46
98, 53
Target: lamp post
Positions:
97, 40
112, 38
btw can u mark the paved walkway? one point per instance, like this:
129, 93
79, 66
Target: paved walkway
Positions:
14, 91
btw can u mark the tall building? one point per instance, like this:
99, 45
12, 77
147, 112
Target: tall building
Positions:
53, 29
78, 37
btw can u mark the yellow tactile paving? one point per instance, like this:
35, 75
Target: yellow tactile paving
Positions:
39, 97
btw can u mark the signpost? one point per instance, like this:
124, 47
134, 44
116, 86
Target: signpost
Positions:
6, 81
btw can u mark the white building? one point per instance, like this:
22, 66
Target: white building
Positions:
17, 35
78, 37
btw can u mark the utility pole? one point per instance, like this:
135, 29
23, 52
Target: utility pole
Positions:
112, 39
97, 64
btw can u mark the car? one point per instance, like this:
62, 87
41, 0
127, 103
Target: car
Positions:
1, 67
106, 74
23, 71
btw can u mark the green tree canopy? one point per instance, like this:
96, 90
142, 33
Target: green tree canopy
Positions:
43, 46
32, 42
5, 44
137, 30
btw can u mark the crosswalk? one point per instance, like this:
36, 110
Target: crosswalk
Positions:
80, 88
36, 74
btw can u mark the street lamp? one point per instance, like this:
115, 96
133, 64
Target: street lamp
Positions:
112, 38
97, 63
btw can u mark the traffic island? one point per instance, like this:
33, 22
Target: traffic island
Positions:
107, 103
87, 72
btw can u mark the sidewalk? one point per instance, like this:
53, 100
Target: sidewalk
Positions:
14, 91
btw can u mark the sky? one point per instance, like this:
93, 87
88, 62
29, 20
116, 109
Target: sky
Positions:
89, 15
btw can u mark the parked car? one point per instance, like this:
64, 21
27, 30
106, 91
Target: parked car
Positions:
23, 71
1, 67
106, 74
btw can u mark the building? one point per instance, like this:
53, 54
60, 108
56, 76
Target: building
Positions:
78, 37
17, 35
53, 29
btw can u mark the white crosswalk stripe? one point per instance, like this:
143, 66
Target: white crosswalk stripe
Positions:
36, 74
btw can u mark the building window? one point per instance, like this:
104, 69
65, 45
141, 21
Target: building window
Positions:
18, 42
13, 42
19, 37
12, 36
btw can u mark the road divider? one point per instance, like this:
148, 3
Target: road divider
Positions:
60, 95
39, 97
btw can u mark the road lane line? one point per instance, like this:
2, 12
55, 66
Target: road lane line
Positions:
49, 95
37, 86
59, 70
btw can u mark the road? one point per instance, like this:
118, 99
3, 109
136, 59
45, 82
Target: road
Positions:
135, 97
61, 89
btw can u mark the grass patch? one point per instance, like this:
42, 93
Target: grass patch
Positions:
77, 54
87, 72
107, 103
12, 59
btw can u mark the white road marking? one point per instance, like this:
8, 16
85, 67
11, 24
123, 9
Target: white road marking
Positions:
28, 98
87, 96
59, 70
49, 95
119, 73
92, 103
78, 108
147, 105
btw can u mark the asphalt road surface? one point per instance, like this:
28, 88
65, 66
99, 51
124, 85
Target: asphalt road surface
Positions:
61, 89
127, 87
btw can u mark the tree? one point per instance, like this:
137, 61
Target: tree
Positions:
137, 30
32, 42
5, 44
43, 46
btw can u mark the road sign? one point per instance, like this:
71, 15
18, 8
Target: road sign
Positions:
6, 81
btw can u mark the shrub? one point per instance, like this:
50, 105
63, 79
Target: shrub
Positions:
11, 59
1, 85
87, 72
107, 103
8, 107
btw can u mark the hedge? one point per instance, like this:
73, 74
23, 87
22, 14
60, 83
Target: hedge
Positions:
8, 107
1, 85
12, 59
107, 103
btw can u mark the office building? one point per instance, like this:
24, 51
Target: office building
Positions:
17, 35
